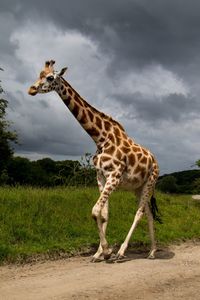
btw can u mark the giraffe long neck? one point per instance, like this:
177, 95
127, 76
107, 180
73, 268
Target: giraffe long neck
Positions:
96, 123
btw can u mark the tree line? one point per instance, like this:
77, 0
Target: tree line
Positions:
48, 173
184, 182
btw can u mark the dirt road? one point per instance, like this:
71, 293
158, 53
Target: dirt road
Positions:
175, 274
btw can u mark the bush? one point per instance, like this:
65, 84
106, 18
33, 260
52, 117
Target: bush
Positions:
196, 186
167, 184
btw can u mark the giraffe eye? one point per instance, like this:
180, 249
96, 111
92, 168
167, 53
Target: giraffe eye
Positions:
50, 78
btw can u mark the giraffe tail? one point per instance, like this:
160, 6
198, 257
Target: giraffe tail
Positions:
154, 210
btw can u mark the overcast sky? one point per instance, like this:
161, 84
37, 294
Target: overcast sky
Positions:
136, 60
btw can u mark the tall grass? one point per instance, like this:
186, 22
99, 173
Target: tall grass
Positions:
35, 221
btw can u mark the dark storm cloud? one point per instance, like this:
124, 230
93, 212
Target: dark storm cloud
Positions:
7, 23
135, 32
173, 107
126, 37
41, 132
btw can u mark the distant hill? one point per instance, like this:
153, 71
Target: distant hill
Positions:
185, 182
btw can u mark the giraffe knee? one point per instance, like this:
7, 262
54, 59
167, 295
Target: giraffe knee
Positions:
96, 211
104, 218
140, 213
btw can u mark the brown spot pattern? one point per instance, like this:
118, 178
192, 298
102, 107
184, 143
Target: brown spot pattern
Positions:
116, 131
101, 140
105, 158
107, 125
95, 159
98, 123
110, 150
78, 100
83, 119
139, 155
75, 110
108, 167
92, 131
124, 135
138, 169
144, 160
111, 137
66, 102
143, 173
126, 144
91, 116
131, 159
118, 140
145, 152
125, 149
64, 92
136, 149
119, 154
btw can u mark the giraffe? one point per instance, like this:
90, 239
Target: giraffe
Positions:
119, 160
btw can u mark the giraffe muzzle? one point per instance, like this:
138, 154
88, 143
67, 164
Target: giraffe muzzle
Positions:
32, 90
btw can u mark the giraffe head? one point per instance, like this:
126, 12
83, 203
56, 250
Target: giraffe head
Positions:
48, 79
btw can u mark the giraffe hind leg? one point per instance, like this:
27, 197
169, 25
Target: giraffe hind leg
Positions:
137, 218
145, 196
151, 231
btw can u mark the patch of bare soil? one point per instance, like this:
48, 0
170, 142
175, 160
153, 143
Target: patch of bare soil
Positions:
174, 274
196, 197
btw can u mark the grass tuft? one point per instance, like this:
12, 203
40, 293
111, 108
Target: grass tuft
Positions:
48, 221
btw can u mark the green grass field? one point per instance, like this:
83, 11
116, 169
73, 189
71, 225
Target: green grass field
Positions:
51, 221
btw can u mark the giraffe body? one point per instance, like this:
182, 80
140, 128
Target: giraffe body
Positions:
119, 161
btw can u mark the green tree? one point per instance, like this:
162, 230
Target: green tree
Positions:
196, 186
19, 171
6, 135
167, 184
198, 163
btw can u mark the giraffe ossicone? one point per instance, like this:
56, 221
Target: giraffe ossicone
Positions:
119, 161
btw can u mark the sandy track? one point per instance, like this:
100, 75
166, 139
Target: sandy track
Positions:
175, 274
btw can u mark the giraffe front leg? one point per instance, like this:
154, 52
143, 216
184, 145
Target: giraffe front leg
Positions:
98, 256
104, 213
100, 214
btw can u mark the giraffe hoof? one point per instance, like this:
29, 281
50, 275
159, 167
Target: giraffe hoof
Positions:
151, 256
112, 259
117, 258
120, 256
96, 260
107, 254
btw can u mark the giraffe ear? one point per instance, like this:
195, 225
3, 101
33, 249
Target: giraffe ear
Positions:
62, 72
